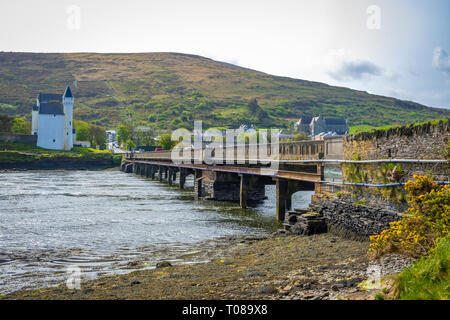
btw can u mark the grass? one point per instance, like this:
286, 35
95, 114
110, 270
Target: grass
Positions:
428, 278
11, 152
368, 128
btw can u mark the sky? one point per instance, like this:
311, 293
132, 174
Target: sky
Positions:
398, 48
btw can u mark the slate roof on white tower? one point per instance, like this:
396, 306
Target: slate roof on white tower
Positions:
52, 120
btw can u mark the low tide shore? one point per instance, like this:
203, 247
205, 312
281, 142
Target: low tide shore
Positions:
253, 267
58, 165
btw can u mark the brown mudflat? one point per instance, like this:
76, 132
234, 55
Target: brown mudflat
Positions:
290, 267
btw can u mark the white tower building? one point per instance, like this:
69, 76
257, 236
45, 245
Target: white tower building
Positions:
52, 120
67, 101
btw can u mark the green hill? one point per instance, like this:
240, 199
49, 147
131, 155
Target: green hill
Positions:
170, 90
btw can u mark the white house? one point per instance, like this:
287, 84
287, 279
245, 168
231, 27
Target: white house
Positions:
52, 120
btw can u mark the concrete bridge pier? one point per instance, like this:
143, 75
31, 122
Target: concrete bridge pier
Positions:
252, 188
198, 176
284, 191
172, 175
184, 172
160, 173
127, 167
152, 172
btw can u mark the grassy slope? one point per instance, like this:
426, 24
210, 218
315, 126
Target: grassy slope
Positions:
429, 277
367, 128
173, 89
22, 152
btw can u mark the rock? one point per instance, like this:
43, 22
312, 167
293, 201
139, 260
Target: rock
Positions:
279, 233
287, 288
163, 264
334, 287
256, 238
267, 289
252, 274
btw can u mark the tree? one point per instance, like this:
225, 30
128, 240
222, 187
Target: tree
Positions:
5, 123
97, 135
301, 136
129, 144
83, 134
82, 129
20, 126
123, 133
144, 138
165, 141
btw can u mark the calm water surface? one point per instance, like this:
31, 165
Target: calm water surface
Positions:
108, 222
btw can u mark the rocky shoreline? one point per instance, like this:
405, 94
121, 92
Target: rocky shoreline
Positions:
59, 164
318, 267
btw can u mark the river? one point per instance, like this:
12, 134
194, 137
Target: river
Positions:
109, 222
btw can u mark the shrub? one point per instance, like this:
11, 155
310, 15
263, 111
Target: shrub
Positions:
117, 159
425, 222
428, 278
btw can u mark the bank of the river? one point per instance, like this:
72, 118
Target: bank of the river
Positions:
21, 156
253, 267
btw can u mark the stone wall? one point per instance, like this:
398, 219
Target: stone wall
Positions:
354, 212
361, 211
427, 141
23, 138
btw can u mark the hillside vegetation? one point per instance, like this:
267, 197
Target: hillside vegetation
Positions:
170, 90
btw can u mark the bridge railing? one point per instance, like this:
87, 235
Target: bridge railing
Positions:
298, 150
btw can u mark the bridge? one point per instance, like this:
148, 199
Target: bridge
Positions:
292, 167
358, 180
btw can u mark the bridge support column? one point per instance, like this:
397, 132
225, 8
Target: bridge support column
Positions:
128, 168
182, 177
174, 175
285, 190
152, 172
160, 173
281, 198
244, 190
134, 167
198, 184
171, 175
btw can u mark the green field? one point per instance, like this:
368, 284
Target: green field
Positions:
170, 90
22, 152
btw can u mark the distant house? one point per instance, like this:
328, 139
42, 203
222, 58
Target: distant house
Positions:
84, 144
320, 124
304, 125
52, 120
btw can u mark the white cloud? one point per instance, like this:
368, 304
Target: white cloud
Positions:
441, 60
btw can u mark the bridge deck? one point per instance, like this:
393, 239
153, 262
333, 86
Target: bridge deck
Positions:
259, 171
